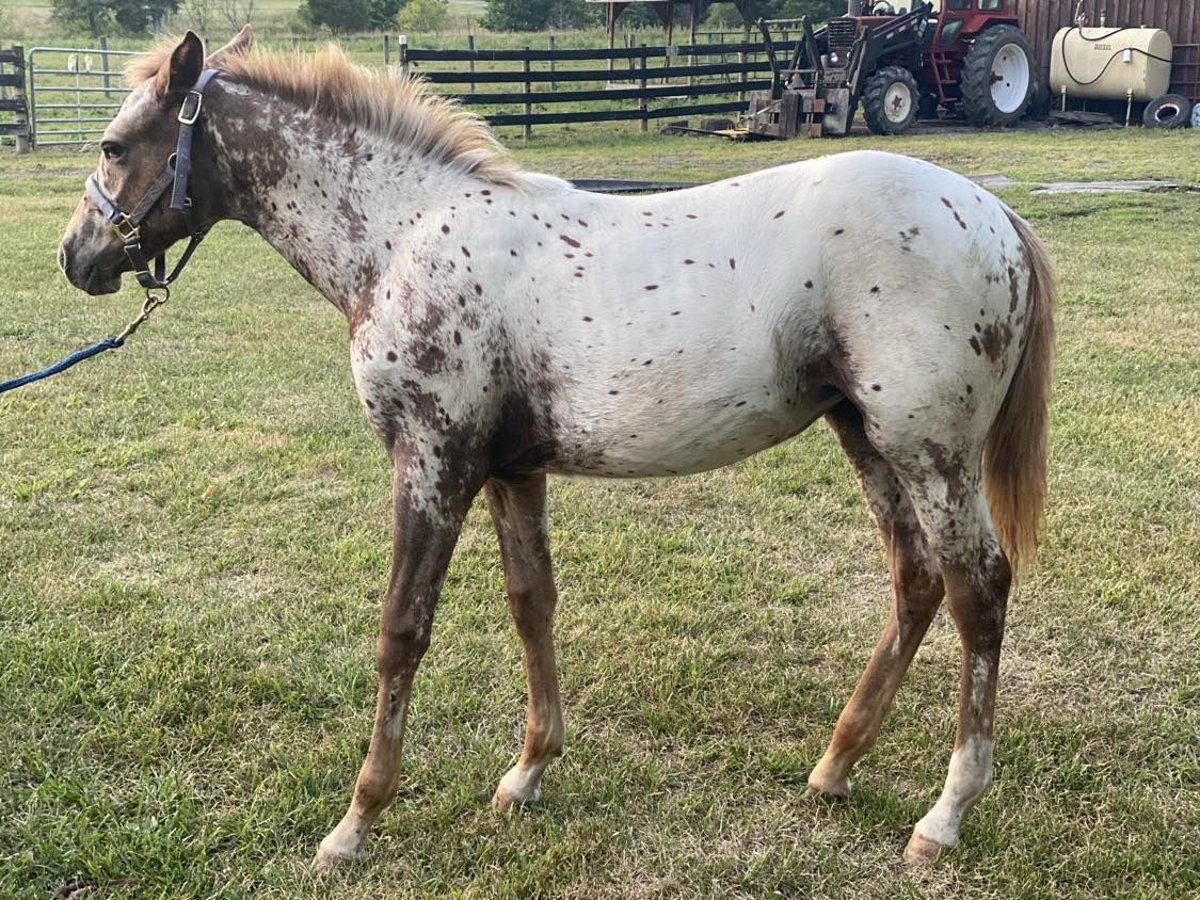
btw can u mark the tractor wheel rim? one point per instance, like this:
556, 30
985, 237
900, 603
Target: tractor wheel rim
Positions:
1010, 78
897, 102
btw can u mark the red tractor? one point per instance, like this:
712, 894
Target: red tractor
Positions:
969, 57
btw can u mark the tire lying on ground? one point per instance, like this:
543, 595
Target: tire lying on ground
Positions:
997, 76
1168, 111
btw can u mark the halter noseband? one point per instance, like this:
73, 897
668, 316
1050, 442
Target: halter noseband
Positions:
175, 176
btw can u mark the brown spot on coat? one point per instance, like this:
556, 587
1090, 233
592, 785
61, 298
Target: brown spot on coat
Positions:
568, 240
996, 338
430, 360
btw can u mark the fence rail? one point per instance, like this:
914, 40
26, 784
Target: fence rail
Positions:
73, 93
622, 90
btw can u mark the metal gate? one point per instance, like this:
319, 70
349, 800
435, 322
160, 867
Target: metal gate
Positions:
73, 93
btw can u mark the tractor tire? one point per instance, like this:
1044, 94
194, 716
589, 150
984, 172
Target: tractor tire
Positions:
997, 77
1168, 111
890, 100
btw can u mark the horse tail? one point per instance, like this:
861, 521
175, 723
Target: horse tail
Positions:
1014, 453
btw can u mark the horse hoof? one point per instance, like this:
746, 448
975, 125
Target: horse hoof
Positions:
921, 851
507, 797
330, 857
823, 785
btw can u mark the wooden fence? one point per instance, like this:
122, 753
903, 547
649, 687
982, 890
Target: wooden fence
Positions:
600, 85
12, 96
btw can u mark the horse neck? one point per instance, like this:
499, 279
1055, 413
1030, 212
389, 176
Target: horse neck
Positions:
335, 200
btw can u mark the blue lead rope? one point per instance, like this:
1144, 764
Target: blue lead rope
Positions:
109, 343
155, 297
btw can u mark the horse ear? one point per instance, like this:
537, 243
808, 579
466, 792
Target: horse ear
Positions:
239, 45
181, 70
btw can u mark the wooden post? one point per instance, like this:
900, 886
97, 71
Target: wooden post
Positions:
104, 65
528, 132
644, 121
553, 84
387, 50
471, 61
402, 53
17, 104
742, 62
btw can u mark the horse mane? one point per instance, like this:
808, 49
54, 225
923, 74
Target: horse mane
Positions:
398, 109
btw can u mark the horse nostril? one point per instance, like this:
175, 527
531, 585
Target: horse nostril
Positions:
62, 257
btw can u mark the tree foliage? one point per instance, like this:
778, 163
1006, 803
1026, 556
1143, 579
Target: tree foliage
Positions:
101, 17
423, 15
538, 15
349, 15
236, 13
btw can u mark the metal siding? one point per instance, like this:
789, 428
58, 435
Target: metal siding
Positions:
1041, 20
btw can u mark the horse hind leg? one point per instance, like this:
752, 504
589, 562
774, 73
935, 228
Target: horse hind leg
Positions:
518, 509
917, 591
943, 482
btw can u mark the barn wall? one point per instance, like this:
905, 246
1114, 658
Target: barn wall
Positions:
1040, 19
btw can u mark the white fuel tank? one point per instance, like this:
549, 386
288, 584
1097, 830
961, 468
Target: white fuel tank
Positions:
1108, 63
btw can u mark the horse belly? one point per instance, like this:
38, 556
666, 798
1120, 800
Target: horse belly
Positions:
666, 430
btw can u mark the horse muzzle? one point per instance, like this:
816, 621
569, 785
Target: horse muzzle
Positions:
96, 273
90, 256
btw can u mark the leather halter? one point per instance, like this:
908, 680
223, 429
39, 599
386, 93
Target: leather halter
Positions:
174, 176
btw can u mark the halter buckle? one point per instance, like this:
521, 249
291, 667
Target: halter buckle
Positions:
126, 228
190, 111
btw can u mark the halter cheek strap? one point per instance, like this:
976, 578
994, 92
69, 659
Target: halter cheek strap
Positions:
174, 176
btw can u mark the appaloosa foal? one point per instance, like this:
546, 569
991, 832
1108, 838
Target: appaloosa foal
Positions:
504, 325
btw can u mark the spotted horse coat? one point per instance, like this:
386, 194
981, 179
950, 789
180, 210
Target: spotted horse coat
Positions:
504, 326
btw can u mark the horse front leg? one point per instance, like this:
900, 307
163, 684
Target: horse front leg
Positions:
425, 530
518, 508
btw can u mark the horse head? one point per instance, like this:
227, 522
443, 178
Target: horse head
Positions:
145, 195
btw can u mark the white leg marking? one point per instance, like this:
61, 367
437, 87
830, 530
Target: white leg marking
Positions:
394, 727
970, 775
344, 843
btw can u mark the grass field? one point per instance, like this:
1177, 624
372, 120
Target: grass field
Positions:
195, 545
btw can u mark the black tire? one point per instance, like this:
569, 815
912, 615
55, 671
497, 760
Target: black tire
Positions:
890, 101
927, 106
997, 77
1040, 101
1168, 111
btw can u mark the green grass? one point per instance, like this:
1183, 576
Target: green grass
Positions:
195, 544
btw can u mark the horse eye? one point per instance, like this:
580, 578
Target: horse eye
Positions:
111, 149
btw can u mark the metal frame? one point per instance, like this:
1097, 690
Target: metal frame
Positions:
83, 130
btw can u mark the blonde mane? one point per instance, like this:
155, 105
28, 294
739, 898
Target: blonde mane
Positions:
398, 109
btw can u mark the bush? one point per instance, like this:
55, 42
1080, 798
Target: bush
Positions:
538, 15
423, 15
